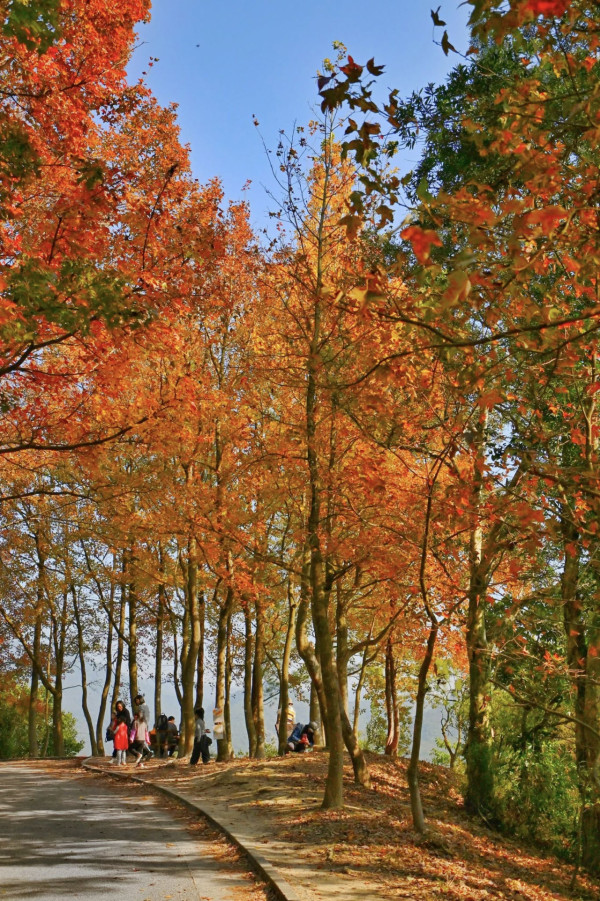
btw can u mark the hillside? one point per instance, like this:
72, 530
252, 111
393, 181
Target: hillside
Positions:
371, 842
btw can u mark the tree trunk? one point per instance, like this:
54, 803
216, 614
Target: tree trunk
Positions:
308, 654
189, 667
248, 657
583, 658
60, 636
391, 699
221, 674
120, 646
82, 667
316, 714
227, 707
258, 712
412, 772
160, 634
284, 683
478, 752
200, 661
132, 605
108, 667
359, 764
34, 688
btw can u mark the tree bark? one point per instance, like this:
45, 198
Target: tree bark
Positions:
248, 658
284, 683
225, 607
84, 691
190, 664
258, 712
359, 764
391, 699
412, 772
478, 752
108, 669
160, 633
200, 661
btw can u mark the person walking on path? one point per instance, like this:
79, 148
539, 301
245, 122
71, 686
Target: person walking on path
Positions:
162, 734
172, 736
120, 715
141, 739
121, 742
202, 742
142, 707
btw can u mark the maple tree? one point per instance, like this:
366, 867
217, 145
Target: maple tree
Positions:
373, 442
506, 253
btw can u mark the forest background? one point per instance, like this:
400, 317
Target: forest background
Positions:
362, 444
228, 68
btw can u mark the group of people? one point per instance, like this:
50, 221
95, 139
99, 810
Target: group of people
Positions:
300, 737
132, 734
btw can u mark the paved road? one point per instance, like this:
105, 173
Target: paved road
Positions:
75, 837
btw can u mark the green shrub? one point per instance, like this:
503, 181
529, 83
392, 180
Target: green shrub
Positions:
14, 727
537, 795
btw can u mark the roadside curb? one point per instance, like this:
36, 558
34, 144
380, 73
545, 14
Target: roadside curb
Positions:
270, 873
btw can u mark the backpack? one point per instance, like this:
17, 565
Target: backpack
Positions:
296, 732
162, 723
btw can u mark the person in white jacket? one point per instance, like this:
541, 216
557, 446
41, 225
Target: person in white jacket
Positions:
141, 739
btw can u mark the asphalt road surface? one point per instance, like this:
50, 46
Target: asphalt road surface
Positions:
73, 836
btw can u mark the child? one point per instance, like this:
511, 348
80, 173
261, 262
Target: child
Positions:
121, 741
141, 739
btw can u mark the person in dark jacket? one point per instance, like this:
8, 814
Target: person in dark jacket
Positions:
172, 736
202, 742
302, 737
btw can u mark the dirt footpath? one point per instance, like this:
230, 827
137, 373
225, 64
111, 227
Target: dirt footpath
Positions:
368, 850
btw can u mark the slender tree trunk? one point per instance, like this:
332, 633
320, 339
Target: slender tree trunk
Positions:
315, 714
160, 632
120, 646
248, 658
221, 674
60, 636
200, 662
391, 699
258, 712
590, 819
359, 764
227, 707
107, 673
362, 674
189, 668
308, 654
37, 644
132, 604
412, 772
84, 691
34, 688
480, 780
583, 653
284, 684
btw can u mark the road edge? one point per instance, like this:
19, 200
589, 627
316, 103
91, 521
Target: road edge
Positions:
270, 873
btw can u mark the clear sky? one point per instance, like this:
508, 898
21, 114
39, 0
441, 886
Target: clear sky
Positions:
225, 62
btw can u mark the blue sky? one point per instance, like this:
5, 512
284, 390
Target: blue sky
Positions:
224, 63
